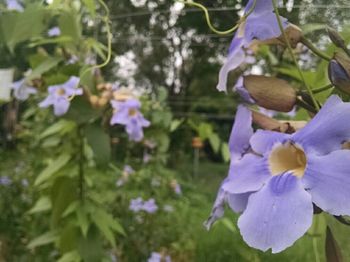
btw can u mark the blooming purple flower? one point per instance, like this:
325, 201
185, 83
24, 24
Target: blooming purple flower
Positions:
5, 181
13, 5
59, 96
22, 91
136, 204
128, 170
157, 257
128, 113
178, 189
150, 206
55, 31
261, 24
282, 175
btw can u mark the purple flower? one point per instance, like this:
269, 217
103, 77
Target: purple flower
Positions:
5, 181
14, 5
59, 96
261, 24
150, 206
136, 204
55, 31
282, 176
22, 91
128, 170
128, 113
155, 257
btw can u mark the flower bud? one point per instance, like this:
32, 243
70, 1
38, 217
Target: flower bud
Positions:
339, 72
336, 38
294, 35
270, 92
94, 100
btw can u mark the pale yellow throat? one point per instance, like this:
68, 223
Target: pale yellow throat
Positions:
132, 112
287, 157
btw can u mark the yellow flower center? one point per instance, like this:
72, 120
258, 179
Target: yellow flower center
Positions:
132, 112
60, 92
287, 157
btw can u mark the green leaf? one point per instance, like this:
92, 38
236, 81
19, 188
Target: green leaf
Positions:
20, 27
83, 221
333, 252
43, 204
69, 23
44, 239
62, 126
215, 142
52, 168
72, 256
225, 152
175, 124
229, 224
100, 143
91, 6
44, 67
205, 130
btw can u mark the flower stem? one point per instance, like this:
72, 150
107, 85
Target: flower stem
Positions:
306, 106
321, 89
293, 56
207, 16
81, 164
314, 49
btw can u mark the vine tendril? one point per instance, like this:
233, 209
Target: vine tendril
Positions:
207, 16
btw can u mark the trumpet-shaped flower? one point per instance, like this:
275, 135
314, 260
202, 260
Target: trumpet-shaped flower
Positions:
14, 5
22, 91
128, 113
282, 176
261, 24
59, 96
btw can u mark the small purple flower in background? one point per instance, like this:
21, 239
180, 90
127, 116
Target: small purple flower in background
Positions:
150, 206
5, 181
55, 31
176, 187
128, 113
59, 96
168, 208
22, 91
261, 24
128, 170
136, 204
146, 158
120, 182
282, 175
14, 5
157, 257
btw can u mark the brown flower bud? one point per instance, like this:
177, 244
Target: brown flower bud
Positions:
102, 102
339, 71
94, 100
336, 38
270, 92
294, 35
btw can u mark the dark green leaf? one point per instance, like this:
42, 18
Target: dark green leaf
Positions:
333, 252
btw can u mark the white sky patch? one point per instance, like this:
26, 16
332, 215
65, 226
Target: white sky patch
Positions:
138, 3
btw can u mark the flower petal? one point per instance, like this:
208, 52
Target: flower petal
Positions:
328, 129
277, 215
263, 140
238, 202
247, 175
327, 178
234, 60
61, 106
241, 132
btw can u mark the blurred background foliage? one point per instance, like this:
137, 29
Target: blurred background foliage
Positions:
167, 54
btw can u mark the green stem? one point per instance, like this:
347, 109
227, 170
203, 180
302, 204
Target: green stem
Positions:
314, 49
321, 89
207, 16
107, 22
306, 106
81, 164
292, 54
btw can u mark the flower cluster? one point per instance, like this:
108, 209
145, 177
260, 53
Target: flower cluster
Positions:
128, 113
138, 204
276, 179
157, 257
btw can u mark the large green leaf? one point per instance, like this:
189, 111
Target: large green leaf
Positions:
44, 239
20, 27
52, 168
43, 204
44, 67
99, 141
